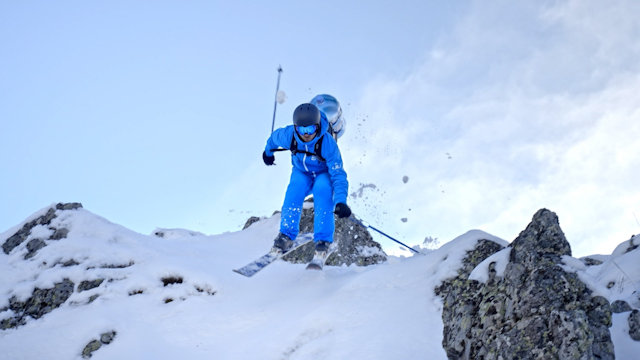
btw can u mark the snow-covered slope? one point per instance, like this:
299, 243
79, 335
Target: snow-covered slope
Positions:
206, 311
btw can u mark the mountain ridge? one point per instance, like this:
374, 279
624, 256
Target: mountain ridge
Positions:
176, 296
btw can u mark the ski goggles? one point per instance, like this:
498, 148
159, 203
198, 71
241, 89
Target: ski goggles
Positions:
307, 130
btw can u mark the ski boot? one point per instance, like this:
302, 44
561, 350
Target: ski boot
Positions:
321, 254
282, 244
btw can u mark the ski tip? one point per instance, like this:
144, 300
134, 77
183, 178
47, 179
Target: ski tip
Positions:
241, 273
314, 267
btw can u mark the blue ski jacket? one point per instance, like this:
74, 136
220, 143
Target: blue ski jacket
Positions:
310, 165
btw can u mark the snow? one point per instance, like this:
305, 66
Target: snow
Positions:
341, 313
571, 264
386, 311
624, 347
481, 272
369, 250
618, 278
39, 232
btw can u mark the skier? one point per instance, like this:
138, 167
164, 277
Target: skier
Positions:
317, 169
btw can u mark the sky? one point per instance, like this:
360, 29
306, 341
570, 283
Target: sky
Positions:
156, 115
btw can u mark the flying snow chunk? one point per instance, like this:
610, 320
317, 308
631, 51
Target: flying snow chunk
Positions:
404, 219
281, 97
175, 233
358, 193
405, 179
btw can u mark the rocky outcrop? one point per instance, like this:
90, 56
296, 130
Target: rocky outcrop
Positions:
632, 244
88, 285
590, 261
94, 345
354, 243
33, 246
535, 310
634, 325
460, 298
620, 306
36, 244
41, 302
250, 221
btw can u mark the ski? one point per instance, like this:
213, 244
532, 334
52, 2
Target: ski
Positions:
320, 258
253, 267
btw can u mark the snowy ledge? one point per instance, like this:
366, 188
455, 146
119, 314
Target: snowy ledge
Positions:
501, 259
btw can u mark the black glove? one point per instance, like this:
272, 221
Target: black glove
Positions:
342, 210
268, 160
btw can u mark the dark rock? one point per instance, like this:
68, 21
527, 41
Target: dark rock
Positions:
634, 325
483, 249
41, 302
33, 246
542, 240
9, 323
535, 311
120, 266
69, 263
166, 281
88, 285
620, 306
590, 262
632, 246
92, 298
91, 347
69, 206
252, 220
22, 234
45, 300
461, 308
354, 244
107, 338
59, 234
599, 315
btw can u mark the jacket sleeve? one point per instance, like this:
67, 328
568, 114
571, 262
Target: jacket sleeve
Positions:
279, 138
339, 182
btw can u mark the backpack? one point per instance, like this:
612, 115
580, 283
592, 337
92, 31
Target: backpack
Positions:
317, 148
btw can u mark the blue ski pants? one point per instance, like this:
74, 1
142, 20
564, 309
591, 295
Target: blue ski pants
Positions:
301, 185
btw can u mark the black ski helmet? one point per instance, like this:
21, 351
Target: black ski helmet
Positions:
305, 115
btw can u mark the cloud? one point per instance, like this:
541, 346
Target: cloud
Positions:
521, 105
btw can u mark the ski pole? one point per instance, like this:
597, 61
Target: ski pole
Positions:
275, 103
360, 222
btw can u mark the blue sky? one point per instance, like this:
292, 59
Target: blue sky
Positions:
156, 114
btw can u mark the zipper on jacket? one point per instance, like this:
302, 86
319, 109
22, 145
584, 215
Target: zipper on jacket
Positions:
304, 159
